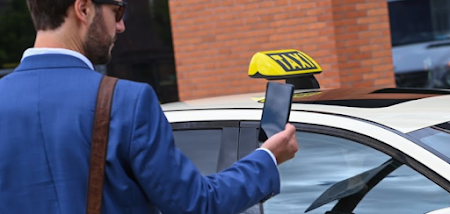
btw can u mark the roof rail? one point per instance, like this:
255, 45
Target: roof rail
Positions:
296, 67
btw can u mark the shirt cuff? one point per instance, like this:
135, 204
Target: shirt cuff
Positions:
271, 155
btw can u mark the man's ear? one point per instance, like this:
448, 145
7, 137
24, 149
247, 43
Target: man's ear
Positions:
84, 10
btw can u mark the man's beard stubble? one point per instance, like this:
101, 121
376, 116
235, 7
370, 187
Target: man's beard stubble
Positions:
98, 42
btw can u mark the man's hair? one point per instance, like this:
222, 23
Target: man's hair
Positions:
48, 14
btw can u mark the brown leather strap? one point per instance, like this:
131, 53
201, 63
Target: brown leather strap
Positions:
99, 144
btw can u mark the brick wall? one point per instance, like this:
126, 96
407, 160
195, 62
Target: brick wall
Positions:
363, 43
215, 40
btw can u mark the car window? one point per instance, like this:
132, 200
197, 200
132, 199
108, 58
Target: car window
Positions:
326, 163
201, 147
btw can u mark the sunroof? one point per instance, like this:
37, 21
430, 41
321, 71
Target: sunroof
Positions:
365, 97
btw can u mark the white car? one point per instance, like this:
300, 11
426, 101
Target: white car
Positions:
361, 151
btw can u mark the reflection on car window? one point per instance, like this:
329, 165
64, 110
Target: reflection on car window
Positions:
201, 147
324, 160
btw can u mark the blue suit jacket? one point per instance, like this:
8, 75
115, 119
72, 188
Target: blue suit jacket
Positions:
46, 117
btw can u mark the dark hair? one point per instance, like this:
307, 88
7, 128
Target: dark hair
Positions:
48, 14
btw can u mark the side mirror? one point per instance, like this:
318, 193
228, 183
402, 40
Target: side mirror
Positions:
440, 211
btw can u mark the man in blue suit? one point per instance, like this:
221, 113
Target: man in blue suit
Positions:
46, 117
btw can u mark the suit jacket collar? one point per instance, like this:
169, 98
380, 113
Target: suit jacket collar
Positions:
46, 61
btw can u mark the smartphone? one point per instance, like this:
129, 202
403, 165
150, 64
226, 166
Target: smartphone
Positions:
276, 110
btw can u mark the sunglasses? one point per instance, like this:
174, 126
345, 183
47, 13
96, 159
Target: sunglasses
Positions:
119, 13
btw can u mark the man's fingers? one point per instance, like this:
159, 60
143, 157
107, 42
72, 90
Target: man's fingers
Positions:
290, 128
283, 144
289, 131
292, 138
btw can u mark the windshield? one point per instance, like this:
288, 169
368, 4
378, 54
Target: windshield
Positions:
417, 21
435, 139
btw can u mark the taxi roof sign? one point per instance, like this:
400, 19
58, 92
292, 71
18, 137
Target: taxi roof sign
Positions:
282, 64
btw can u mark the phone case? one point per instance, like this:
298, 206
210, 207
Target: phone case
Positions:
276, 110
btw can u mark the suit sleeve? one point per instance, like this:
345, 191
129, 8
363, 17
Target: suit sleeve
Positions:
174, 185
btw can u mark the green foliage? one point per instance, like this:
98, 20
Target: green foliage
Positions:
16, 32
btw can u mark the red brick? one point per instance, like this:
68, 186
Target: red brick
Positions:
368, 20
352, 78
355, 14
377, 12
356, 42
370, 5
378, 26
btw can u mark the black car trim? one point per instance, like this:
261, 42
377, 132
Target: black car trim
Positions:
204, 124
250, 124
248, 141
228, 148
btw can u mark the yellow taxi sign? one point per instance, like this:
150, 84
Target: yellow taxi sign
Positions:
282, 64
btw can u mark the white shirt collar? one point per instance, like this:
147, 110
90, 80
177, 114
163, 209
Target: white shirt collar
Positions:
39, 51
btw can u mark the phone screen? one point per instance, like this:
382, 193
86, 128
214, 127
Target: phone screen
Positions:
276, 110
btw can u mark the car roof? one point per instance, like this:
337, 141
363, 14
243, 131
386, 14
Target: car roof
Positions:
401, 109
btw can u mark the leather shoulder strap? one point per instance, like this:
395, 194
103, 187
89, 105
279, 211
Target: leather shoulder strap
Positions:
99, 144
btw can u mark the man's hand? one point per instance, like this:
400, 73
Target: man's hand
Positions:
283, 145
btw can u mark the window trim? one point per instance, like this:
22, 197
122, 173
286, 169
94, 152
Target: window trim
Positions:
204, 124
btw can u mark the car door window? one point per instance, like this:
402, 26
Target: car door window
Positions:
201, 147
337, 166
